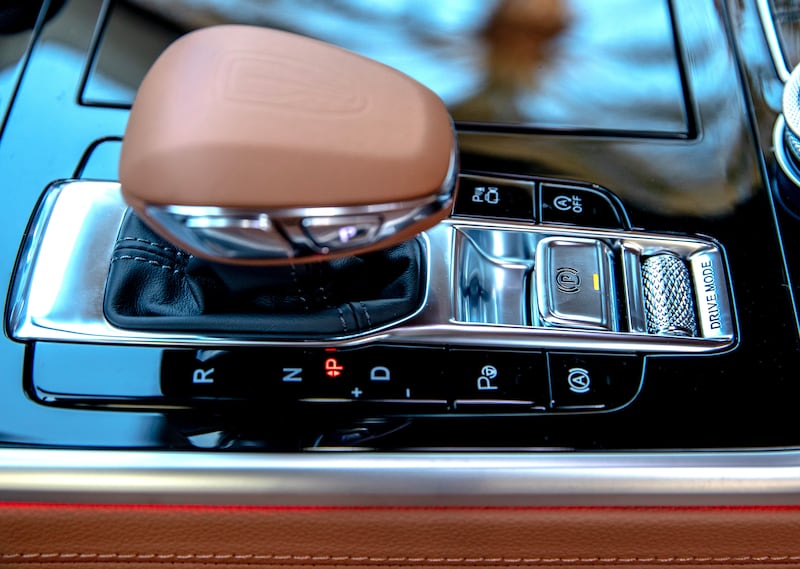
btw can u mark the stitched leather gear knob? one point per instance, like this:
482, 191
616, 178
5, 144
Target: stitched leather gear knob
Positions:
256, 146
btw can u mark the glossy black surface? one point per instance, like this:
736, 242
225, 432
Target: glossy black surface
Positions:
702, 165
536, 65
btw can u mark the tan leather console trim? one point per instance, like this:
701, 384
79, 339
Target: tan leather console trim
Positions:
99, 536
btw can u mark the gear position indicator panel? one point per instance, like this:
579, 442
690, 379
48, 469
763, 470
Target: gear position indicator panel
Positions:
405, 380
374, 380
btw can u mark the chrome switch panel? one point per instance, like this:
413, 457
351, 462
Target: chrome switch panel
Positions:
492, 283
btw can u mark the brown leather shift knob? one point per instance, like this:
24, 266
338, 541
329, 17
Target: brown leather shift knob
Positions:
256, 146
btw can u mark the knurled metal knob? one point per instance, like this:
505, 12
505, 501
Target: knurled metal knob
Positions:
668, 297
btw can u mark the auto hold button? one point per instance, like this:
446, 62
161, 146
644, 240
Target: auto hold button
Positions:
575, 283
591, 381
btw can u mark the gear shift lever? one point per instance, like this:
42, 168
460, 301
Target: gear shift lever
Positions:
259, 147
246, 147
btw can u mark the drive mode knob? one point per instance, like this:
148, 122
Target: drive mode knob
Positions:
249, 145
668, 296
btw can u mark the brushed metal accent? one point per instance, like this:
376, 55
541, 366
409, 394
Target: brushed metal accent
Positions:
409, 479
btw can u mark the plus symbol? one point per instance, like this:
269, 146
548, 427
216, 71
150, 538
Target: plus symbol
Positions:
356, 392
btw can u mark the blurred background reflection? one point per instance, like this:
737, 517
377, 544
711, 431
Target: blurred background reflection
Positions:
565, 64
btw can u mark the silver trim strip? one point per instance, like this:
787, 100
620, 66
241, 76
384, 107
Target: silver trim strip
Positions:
415, 479
771, 34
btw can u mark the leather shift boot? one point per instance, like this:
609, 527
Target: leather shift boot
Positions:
152, 285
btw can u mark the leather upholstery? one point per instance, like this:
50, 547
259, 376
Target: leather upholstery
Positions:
100, 536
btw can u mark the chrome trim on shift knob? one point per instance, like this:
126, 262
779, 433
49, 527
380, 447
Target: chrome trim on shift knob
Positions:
265, 236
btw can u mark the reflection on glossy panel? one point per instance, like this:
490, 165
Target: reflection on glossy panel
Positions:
577, 64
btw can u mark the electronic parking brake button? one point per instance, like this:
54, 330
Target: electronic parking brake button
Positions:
575, 284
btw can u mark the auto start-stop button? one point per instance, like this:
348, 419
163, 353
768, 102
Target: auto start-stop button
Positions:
575, 205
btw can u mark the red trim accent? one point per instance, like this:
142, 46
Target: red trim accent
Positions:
280, 508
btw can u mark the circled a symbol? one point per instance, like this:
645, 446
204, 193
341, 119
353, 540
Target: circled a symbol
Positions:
563, 203
567, 280
579, 380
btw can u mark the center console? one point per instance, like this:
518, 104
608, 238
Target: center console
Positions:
615, 276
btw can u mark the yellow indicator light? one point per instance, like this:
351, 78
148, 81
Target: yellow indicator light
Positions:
596, 281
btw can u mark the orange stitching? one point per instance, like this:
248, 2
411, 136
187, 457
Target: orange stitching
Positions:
372, 559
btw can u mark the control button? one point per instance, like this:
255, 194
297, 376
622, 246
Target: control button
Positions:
575, 283
578, 206
403, 379
394, 376
502, 381
493, 198
343, 232
668, 298
271, 376
587, 381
